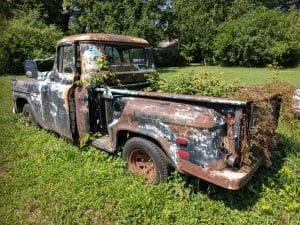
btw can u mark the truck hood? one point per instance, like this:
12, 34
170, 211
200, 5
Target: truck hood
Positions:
25, 85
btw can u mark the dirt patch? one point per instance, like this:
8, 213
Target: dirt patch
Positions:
35, 216
4, 168
95, 217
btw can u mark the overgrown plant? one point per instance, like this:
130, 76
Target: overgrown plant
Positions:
88, 138
153, 80
263, 130
101, 78
203, 84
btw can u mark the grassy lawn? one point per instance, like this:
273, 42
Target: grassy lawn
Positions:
247, 76
47, 180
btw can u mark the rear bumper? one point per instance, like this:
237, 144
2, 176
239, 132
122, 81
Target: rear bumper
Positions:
226, 178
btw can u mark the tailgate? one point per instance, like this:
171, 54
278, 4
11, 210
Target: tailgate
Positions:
264, 116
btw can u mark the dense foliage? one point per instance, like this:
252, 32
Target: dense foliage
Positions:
258, 38
227, 32
236, 32
202, 84
25, 37
137, 18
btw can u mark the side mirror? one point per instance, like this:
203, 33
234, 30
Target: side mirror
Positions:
51, 76
30, 67
28, 73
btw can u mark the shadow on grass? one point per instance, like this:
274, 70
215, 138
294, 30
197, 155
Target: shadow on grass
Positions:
247, 196
166, 70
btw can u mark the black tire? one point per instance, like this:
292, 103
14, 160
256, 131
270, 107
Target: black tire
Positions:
146, 158
29, 116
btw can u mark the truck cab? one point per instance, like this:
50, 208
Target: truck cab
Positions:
52, 93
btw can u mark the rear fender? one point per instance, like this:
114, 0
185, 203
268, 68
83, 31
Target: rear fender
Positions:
166, 121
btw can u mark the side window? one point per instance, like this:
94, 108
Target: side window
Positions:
65, 61
137, 55
112, 55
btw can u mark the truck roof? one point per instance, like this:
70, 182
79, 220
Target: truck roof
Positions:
104, 38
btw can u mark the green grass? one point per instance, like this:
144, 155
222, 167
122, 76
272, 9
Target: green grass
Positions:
47, 180
247, 76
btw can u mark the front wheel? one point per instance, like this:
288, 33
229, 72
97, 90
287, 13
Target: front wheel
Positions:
29, 116
146, 158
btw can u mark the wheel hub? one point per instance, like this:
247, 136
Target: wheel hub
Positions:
141, 163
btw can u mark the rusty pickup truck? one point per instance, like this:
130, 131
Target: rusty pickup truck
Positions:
199, 136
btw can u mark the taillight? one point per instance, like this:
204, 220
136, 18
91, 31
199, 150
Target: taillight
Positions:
183, 154
182, 141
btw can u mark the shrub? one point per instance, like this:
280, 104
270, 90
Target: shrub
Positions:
25, 37
203, 84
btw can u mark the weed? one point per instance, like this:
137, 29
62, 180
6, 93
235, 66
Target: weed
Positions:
204, 84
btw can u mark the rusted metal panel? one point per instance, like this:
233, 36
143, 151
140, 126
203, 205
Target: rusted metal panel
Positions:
179, 97
82, 112
227, 178
50, 102
166, 121
172, 113
105, 38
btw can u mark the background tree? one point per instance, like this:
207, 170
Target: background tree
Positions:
197, 22
51, 12
259, 38
210, 31
130, 17
25, 37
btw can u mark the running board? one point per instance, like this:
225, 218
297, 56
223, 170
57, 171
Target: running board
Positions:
103, 143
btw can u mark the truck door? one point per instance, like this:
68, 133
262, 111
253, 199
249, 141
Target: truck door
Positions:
56, 92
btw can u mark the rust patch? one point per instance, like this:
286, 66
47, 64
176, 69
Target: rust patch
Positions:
180, 129
217, 165
105, 38
82, 112
4, 169
180, 98
66, 99
173, 113
227, 178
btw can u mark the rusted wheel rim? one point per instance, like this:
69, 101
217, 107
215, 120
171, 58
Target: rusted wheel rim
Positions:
140, 162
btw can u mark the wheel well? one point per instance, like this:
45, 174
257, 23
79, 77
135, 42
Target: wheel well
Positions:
124, 136
20, 102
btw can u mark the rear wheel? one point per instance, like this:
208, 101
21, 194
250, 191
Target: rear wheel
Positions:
29, 116
146, 158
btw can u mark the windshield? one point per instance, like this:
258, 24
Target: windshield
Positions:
121, 58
